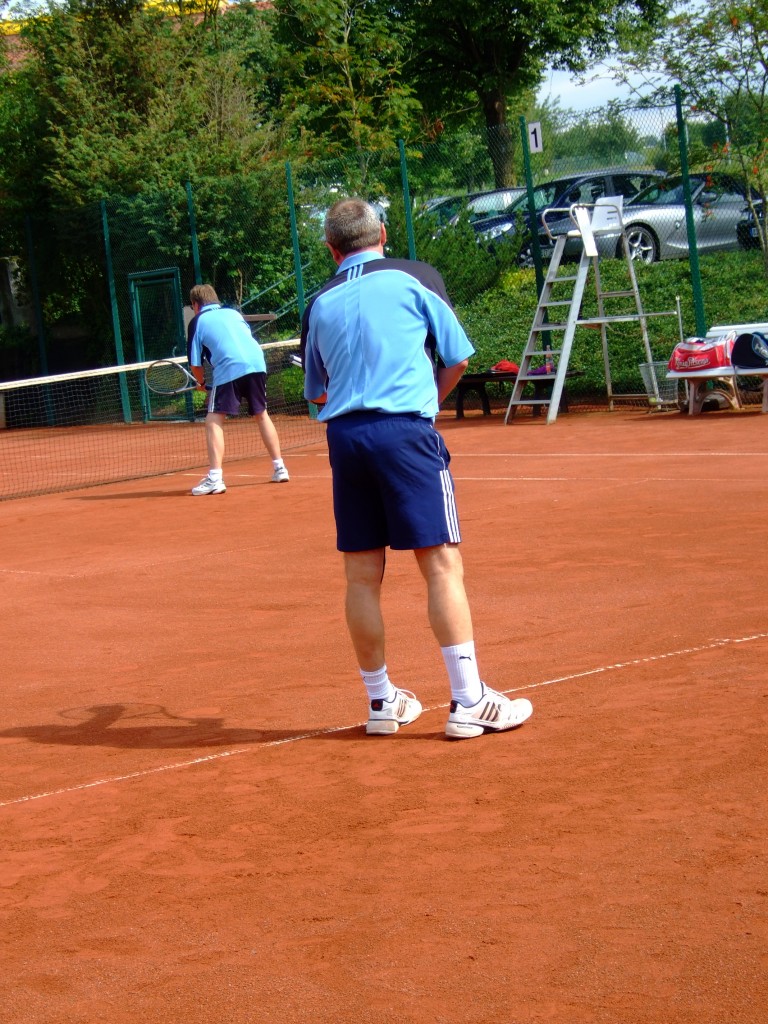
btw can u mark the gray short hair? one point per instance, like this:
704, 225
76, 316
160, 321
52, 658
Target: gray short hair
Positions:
352, 225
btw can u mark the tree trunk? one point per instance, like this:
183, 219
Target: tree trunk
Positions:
500, 140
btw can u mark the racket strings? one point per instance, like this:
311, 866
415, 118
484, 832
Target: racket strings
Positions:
168, 377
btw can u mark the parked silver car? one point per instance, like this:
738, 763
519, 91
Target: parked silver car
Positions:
655, 223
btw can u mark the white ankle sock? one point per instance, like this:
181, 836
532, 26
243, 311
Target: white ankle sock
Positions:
215, 474
466, 686
377, 684
278, 464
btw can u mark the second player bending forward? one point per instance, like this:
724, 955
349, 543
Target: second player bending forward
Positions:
239, 375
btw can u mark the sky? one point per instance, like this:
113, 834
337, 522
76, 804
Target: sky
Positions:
573, 96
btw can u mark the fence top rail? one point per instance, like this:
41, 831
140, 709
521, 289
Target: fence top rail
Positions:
106, 371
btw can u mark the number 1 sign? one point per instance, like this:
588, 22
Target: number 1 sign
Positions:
534, 137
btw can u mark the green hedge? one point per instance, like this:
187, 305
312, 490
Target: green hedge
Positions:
498, 322
735, 291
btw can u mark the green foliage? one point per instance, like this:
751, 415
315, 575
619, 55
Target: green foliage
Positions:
498, 322
587, 142
469, 268
340, 72
243, 234
450, 163
127, 100
716, 53
477, 56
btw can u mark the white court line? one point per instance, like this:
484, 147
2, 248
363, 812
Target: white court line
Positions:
684, 481
599, 455
347, 728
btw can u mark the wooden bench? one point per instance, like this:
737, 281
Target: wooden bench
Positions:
259, 318
476, 382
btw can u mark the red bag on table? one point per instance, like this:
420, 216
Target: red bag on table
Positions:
702, 354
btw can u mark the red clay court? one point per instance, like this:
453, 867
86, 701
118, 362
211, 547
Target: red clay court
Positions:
195, 829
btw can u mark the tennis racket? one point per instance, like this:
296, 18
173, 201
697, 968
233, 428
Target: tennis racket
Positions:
166, 377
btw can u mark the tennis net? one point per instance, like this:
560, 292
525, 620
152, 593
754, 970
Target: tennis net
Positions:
72, 430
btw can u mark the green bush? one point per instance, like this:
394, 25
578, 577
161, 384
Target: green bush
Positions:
19, 353
469, 269
498, 321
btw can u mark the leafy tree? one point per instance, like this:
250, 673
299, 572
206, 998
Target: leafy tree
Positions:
112, 99
132, 99
591, 142
478, 56
341, 78
718, 52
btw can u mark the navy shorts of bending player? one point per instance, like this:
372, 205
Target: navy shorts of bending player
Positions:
227, 398
391, 483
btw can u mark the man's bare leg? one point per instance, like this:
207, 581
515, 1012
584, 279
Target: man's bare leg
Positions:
268, 435
447, 604
364, 571
214, 436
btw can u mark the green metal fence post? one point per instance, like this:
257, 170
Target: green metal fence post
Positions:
193, 234
124, 399
693, 252
38, 307
295, 241
37, 304
535, 247
407, 201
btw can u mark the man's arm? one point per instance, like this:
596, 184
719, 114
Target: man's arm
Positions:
195, 353
448, 377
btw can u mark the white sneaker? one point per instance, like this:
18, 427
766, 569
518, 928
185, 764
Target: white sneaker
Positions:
208, 486
493, 713
280, 476
388, 715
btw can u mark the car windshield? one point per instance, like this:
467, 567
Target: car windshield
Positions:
667, 192
543, 195
493, 203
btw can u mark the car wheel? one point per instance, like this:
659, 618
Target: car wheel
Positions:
642, 244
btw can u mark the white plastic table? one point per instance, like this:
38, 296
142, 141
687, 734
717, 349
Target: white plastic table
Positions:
697, 381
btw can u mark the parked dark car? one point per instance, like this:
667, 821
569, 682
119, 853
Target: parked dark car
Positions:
655, 224
563, 192
446, 209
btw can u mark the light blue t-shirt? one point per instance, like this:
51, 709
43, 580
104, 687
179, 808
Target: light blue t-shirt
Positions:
234, 352
371, 335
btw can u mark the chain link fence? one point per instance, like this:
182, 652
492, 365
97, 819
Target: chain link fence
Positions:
259, 240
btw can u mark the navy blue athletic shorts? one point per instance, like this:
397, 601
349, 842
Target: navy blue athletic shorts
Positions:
391, 483
227, 398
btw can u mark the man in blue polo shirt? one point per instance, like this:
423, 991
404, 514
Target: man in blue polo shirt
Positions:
239, 375
382, 347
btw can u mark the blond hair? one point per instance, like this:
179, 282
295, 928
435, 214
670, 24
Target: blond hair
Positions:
203, 294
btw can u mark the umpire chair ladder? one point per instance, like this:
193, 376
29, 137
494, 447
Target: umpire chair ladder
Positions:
564, 293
